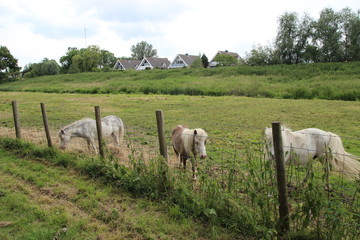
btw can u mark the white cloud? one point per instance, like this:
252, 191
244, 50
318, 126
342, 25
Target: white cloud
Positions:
36, 29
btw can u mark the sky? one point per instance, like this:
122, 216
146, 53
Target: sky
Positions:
38, 29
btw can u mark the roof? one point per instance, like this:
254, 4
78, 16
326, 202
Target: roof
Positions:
158, 62
236, 55
129, 64
186, 58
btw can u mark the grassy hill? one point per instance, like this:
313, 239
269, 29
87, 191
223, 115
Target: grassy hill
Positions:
332, 81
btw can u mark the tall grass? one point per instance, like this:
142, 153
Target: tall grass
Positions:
241, 197
332, 81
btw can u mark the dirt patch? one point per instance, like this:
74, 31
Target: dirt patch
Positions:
131, 148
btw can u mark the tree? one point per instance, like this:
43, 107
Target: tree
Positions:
261, 55
91, 58
328, 36
108, 59
77, 62
66, 61
354, 39
350, 31
197, 63
225, 60
9, 69
142, 49
205, 61
49, 67
303, 39
286, 36
87, 59
45, 67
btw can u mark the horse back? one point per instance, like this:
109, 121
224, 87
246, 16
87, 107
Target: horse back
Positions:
177, 139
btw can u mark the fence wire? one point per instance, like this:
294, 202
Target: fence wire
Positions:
232, 162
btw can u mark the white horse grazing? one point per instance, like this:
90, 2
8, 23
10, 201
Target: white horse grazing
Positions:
86, 128
118, 128
186, 141
311, 143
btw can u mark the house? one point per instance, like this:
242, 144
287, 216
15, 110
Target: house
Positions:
126, 64
183, 60
153, 62
213, 64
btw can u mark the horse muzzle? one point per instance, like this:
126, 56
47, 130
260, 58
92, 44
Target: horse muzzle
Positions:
203, 156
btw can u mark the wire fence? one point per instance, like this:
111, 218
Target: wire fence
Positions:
142, 140
144, 136
232, 161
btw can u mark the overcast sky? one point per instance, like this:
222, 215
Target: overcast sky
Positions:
33, 30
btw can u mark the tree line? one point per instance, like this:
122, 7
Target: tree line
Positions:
333, 37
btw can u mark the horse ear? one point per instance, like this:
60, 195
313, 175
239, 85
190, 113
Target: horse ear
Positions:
195, 132
62, 131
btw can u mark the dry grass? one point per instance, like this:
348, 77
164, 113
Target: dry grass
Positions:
129, 150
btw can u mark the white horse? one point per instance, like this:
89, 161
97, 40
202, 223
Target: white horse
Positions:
86, 128
186, 141
301, 146
118, 128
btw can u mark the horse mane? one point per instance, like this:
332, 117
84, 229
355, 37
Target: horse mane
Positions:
268, 131
286, 128
76, 122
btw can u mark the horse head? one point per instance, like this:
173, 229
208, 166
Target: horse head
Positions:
269, 145
64, 138
200, 137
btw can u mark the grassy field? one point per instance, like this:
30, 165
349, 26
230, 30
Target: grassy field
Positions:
222, 117
234, 123
332, 81
42, 201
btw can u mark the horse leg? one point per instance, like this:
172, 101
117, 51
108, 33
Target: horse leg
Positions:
184, 161
89, 144
92, 143
179, 159
193, 167
116, 139
121, 135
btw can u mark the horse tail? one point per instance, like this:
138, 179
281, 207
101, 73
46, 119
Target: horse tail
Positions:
341, 160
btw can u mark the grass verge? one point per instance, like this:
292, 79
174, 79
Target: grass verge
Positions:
45, 194
244, 203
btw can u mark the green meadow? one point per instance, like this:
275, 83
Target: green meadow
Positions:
224, 116
332, 81
235, 194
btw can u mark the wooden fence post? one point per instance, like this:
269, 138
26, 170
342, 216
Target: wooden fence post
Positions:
161, 133
281, 178
46, 124
16, 119
99, 130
